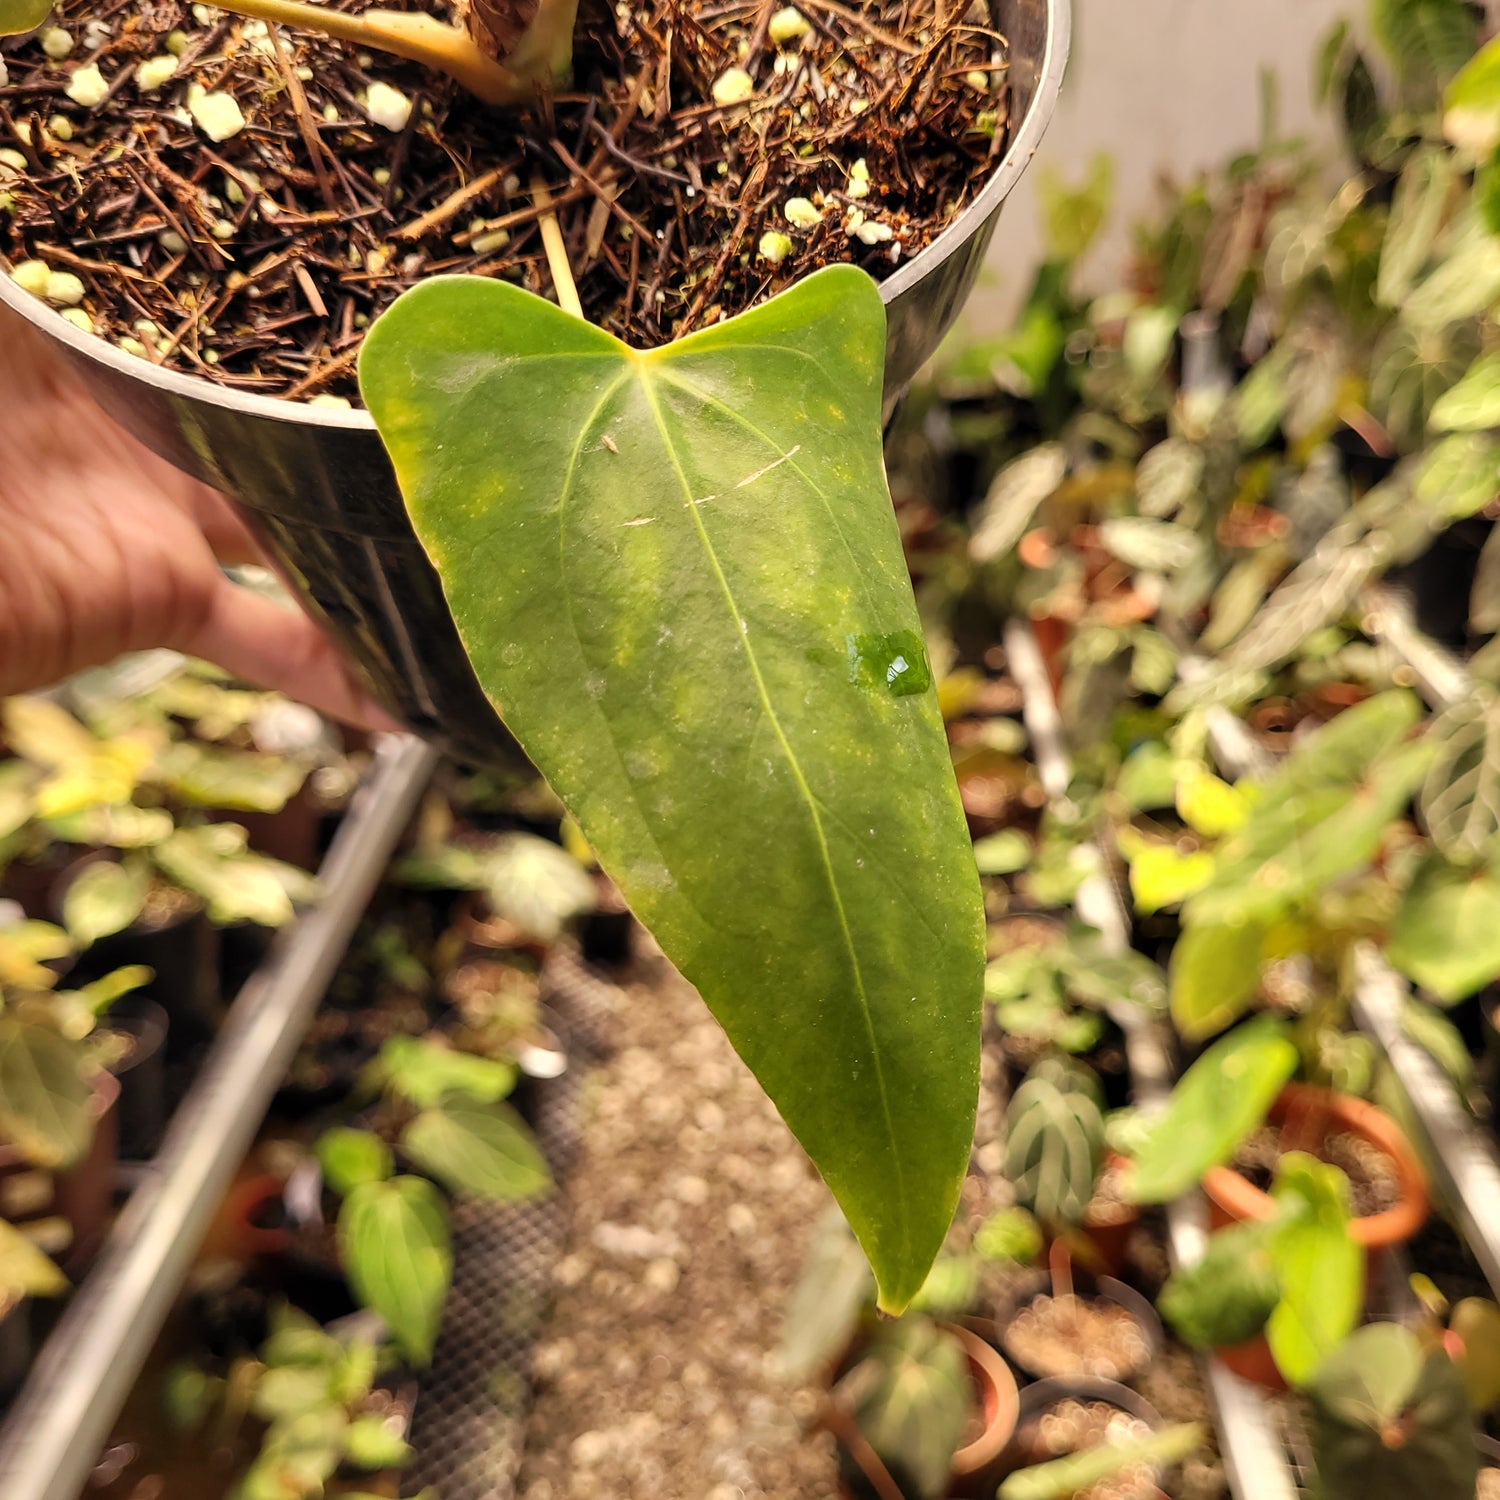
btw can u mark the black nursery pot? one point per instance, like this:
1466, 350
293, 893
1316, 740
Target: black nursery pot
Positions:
183, 954
15, 1347
142, 1110
318, 490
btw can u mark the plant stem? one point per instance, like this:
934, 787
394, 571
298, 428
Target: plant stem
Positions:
557, 251
419, 38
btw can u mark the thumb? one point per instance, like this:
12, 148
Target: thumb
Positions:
275, 645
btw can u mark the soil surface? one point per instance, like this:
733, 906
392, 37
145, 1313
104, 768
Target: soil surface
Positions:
1072, 1425
693, 1208
1076, 1335
257, 260
1372, 1180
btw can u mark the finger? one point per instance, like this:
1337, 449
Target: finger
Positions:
231, 540
276, 646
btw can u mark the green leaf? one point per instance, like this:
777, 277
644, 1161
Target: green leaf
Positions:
24, 1270
393, 1236
1063, 1478
1474, 403
1417, 213
1206, 804
679, 578
421, 1071
350, 1158
1073, 216
289, 1390
1320, 1267
1425, 39
1161, 875
1002, 853
371, 1444
1215, 1105
236, 780
1471, 116
1475, 1322
235, 886
105, 897
1009, 1236
484, 1149
1436, 1035
1215, 975
1225, 1298
1014, 497
1149, 545
537, 885
1446, 935
1148, 778
1391, 1420
18, 16
44, 1099
824, 1308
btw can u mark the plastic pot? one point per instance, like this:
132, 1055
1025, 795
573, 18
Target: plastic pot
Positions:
1104, 1289
1041, 1395
182, 953
317, 488
142, 1110
977, 1465
83, 1194
15, 1346
1233, 1198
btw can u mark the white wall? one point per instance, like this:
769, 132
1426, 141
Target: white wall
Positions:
1164, 87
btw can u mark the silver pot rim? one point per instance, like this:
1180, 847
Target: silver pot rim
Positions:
1023, 146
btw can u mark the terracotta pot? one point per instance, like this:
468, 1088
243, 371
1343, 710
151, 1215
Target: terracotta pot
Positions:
1234, 1199
977, 1465
83, 1194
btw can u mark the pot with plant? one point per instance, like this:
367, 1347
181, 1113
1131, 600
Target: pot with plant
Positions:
1091, 1439
594, 514
58, 1108
702, 134
1056, 1161
923, 1410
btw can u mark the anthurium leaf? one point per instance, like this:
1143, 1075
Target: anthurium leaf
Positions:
37, 729
824, 1308
1148, 778
483, 1149
1014, 497
422, 1071
1446, 935
1475, 1322
17, 16
1320, 1267
24, 1270
393, 1237
372, 1444
1215, 1105
25, 948
1391, 1419
44, 1097
537, 884
238, 780
1474, 403
16, 801
679, 578
105, 897
350, 1158
1002, 853
1215, 974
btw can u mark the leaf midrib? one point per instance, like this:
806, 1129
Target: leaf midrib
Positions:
642, 370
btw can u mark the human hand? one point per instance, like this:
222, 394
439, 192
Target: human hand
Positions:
106, 548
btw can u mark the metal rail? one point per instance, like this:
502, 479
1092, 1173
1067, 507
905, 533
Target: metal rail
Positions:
1254, 1456
63, 1415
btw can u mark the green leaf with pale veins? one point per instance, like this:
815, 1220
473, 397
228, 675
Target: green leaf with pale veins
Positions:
484, 1149
679, 578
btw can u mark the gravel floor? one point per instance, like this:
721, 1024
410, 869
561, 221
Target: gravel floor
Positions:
692, 1209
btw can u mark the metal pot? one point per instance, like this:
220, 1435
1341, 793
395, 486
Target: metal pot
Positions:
319, 492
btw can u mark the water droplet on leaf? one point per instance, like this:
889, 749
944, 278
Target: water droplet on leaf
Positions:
896, 662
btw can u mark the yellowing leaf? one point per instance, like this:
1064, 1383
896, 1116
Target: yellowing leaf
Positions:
1206, 804
1161, 875
679, 578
